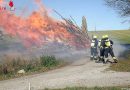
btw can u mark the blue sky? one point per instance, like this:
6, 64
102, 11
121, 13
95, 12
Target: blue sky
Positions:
97, 14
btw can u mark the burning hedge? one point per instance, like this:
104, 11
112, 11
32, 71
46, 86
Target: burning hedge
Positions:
39, 28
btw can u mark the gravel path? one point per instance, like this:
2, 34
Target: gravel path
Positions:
80, 73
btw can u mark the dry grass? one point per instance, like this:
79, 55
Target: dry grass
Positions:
10, 66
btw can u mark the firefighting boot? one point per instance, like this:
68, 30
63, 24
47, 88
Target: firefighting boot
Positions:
105, 60
99, 60
91, 58
95, 57
115, 60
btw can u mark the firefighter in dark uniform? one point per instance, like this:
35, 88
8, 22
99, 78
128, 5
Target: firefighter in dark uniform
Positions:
107, 45
94, 45
101, 49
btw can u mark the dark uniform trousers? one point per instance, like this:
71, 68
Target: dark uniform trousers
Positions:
94, 51
107, 51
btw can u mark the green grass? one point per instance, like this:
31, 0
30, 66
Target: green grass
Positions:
9, 67
95, 88
123, 36
123, 65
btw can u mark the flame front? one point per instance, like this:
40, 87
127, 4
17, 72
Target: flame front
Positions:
39, 28
1, 1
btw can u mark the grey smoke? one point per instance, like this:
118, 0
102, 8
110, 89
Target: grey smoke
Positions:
59, 50
118, 48
16, 49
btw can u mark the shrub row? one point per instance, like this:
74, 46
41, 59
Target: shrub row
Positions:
43, 63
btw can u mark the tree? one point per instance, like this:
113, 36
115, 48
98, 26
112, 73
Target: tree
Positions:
121, 6
84, 25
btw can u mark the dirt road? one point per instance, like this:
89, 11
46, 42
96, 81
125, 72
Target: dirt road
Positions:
80, 73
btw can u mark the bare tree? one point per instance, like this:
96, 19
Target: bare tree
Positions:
121, 6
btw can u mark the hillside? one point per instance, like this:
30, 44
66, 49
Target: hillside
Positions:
123, 36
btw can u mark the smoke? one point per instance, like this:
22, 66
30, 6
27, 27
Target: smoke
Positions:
39, 34
59, 50
118, 48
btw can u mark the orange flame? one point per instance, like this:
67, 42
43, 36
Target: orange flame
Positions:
39, 28
1, 1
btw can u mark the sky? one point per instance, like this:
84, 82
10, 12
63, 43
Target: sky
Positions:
96, 12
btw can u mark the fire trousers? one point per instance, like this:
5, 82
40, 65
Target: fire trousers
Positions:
108, 51
94, 51
101, 52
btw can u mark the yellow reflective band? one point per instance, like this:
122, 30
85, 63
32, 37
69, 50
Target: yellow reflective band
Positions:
108, 43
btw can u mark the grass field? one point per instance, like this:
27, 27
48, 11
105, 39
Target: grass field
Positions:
123, 65
94, 88
123, 36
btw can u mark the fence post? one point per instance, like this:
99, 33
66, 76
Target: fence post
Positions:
29, 86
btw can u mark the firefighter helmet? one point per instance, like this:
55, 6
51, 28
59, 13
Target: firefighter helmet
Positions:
94, 37
106, 36
103, 36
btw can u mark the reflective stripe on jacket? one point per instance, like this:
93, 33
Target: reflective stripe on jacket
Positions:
107, 43
93, 43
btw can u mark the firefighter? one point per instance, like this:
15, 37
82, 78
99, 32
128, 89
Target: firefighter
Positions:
107, 45
94, 45
101, 49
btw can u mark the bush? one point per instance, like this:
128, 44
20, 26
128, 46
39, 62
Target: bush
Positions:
10, 66
48, 61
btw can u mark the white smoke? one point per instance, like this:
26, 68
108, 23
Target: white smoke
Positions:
118, 48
